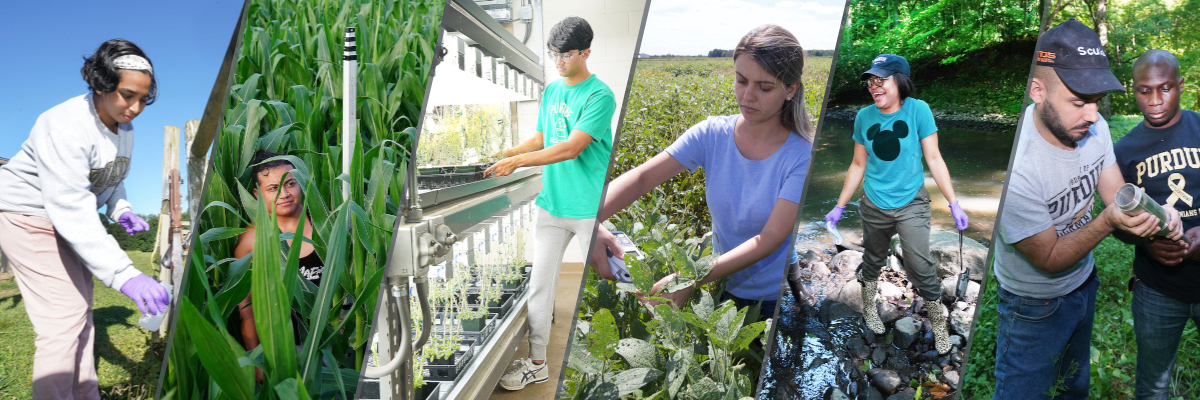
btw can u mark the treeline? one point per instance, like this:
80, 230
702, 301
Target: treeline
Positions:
141, 241
1131, 28
729, 53
965, 55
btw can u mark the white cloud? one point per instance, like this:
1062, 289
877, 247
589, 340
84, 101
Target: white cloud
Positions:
691, 27
823, 8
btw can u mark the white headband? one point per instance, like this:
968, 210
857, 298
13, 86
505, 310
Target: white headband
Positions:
134, 62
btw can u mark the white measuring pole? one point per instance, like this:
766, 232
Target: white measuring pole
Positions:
349, 102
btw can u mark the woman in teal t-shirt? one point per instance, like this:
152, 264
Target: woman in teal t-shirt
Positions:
890, 139
755, 164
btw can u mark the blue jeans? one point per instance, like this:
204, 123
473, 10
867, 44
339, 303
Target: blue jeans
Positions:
1158, 323
1045, 343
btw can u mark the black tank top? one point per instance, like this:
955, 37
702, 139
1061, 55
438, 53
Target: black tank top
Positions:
311, 268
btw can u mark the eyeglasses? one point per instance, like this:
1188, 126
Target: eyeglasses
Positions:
565, 57
875, 81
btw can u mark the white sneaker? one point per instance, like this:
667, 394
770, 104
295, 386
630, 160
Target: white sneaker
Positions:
523, 372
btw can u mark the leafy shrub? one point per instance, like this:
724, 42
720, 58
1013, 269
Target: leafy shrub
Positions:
700, 351
141, 241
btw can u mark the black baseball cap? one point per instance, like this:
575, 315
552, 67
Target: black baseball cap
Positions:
885, 65
1075, 52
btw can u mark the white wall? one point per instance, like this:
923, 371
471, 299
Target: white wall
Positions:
616, 25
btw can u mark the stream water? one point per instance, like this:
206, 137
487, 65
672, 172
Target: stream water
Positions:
810, 357
977, 161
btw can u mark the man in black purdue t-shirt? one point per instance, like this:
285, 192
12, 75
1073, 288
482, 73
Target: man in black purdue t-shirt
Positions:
1162, 156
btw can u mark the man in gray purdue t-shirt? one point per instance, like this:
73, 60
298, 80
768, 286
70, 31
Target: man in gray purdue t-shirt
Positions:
1046, 230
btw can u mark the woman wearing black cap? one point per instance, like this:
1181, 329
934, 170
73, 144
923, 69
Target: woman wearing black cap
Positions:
891, 137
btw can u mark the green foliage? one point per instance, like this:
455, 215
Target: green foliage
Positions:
720, 53
452, 133
667, 98
1139, 25
961, 53
141, 241
623, 349
286, 97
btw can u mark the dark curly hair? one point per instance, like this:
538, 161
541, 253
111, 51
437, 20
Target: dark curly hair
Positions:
257, 169
100, 74
572, 33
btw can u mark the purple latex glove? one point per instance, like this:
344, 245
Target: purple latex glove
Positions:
147, 293
834, 215
133, 223
960, 217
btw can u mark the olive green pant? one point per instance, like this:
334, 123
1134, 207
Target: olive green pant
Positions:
911, 221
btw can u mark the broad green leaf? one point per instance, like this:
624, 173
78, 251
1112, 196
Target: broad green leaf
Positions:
271, 303
220, 234
642, 275
600, 389
640, 353
218, 358
706, 389
335, 261
703, 308
630, 380
602, 341
584, 362
291, 389
236, 288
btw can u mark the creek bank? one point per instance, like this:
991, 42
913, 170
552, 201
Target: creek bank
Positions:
944, 118
834, 355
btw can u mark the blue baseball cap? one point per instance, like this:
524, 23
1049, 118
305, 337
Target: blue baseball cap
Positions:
885, 65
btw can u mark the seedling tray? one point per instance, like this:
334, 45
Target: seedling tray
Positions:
446, 371
506, 303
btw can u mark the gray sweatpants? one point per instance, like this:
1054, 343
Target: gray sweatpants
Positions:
911, 221
550, 237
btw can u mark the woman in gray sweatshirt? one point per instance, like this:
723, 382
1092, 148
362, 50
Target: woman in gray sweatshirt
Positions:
74, 162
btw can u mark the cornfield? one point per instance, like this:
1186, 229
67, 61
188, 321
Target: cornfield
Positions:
286, 97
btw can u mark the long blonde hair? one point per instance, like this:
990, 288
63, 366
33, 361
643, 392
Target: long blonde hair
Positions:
778, 51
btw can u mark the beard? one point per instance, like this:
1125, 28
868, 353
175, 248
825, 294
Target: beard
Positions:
1049, 118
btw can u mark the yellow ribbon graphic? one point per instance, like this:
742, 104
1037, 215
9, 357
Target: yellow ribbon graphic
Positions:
1176, 182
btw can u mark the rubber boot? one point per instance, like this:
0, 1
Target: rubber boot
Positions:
870, 311
796, 284
937, 318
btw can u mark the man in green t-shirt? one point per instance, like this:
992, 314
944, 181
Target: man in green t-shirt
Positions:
574, 143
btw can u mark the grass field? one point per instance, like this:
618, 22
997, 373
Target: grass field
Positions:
1114, 350
128, 357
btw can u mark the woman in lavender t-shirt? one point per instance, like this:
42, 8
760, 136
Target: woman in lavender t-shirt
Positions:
755, 164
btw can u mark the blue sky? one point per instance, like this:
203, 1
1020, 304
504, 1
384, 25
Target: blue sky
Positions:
692, 27
45, 42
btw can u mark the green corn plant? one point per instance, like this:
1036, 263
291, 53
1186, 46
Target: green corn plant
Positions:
286, 97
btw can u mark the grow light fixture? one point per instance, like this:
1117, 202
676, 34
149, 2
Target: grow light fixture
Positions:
475, 45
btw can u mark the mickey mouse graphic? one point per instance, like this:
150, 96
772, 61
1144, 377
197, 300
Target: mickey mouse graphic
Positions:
895, 200
886, 144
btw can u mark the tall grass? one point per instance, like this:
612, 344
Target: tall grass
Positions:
286, 97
